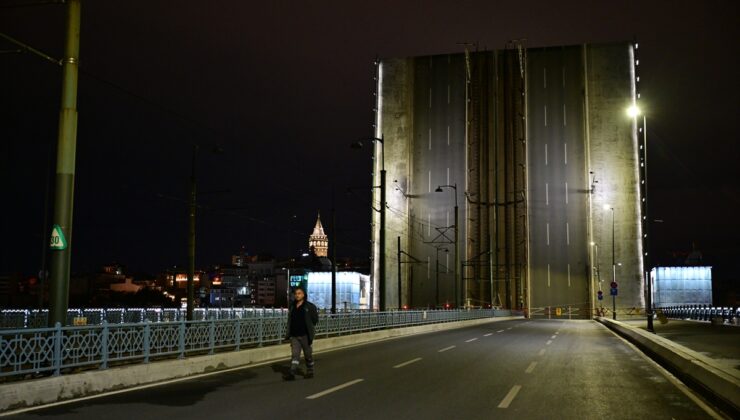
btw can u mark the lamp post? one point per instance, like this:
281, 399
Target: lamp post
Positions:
436, 299
192, 204
634, 112
614, 264
381, 238
457, 229
65, 171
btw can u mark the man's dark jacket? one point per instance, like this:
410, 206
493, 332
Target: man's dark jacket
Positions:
311, 317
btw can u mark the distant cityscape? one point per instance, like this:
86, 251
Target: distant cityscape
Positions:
245, 281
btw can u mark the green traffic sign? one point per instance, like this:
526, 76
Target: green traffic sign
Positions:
57, 242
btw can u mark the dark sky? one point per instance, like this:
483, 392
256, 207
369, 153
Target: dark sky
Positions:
285, 87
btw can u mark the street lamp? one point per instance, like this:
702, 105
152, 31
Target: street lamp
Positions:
614, 265
381, 239
635, 112
457, 248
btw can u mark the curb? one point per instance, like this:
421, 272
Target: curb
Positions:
25, 394
712, 380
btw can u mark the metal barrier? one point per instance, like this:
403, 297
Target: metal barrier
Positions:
35, 351
730, 315
32, 318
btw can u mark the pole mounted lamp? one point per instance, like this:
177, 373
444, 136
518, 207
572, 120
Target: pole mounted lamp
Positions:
634, 112
457, 229
381, 210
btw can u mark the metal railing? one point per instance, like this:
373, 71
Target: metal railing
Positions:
30, 352
729, 315
32, 318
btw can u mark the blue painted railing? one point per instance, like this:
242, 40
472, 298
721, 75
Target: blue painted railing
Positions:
31, 352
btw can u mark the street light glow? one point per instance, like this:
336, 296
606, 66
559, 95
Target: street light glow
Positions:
633, 111
607, 207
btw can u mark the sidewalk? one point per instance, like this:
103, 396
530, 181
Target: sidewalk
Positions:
721, 343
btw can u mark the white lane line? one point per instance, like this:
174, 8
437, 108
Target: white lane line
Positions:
448, 183
548, 273
544, 77
545, 115
445, 349
547, 194
448, 134
557, 332
334, 389
566, 193
509, 328
548, 342
542, 352
486, 335
568, 277
510, 396
471, 340
430, 139
530, 368
500, 331
400, 365
565, 146
547, 227
565, 121
554, 337
567, 233
430, 181
545, 154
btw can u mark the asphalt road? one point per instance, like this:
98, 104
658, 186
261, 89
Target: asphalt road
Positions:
558, 184
438, 151
555, 369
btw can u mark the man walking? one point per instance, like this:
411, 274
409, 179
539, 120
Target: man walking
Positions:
302, 319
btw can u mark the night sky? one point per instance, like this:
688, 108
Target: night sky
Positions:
285, 87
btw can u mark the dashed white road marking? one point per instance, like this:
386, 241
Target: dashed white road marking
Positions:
557, 332
554, 337
530, 368
510, 396
400, 365
548, 342
445, 349
334, 389
509, 328
542, 352
471, 340
486, 335
500, 331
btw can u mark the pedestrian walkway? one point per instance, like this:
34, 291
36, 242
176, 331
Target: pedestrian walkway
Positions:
718, 342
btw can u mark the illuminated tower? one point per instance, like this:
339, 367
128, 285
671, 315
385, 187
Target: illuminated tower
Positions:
318, 242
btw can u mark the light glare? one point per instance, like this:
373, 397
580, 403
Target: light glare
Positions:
633, 111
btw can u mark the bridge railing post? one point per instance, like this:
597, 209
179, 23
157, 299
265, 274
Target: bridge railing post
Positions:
146, 341
57, 362
181, 338
211, 336
260, 330
238, 333
104, 345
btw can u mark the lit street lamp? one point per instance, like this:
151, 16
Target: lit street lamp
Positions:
457, 253
381, 239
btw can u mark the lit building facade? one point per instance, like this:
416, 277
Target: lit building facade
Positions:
318, 242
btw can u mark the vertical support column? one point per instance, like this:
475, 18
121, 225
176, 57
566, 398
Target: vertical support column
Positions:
65, 172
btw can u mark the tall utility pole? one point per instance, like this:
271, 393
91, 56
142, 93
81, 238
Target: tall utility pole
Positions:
65, 175
398, 257
381, 265
191, 238
333, 254
614, 270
